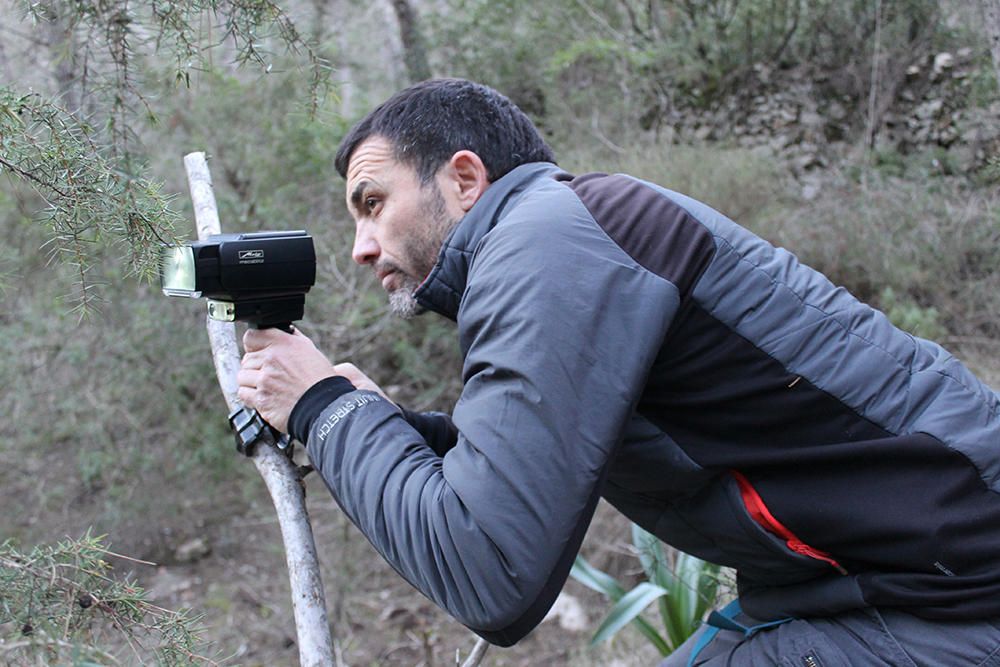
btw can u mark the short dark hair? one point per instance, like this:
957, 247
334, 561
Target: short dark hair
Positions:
429, 122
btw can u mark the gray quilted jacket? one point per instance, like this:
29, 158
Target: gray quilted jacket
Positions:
623, 340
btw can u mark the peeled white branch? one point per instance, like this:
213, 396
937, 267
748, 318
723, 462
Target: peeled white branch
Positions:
477, 655
280, 474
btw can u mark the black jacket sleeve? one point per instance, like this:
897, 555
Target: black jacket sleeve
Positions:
436, 428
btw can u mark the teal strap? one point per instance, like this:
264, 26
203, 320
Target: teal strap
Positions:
716, 621
725, 620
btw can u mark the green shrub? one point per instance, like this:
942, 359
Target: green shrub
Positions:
685, 588
907, 315
746, 185
931, 241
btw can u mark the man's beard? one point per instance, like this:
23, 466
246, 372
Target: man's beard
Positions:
401, 300
421, 253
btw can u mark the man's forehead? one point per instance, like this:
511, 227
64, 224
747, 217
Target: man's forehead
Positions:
373, 154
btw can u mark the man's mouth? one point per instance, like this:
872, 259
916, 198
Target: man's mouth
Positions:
386, 277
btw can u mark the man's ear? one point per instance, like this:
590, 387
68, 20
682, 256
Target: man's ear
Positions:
465, 178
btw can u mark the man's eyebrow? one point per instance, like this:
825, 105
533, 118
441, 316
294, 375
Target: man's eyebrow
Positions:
358, 193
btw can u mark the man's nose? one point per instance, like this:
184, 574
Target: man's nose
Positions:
366, 249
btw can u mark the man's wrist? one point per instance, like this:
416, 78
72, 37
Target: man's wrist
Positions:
313, 402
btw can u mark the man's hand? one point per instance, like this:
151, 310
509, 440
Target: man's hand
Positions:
277, 369
359, 379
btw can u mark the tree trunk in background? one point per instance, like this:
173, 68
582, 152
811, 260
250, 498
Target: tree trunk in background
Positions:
62, 45
344, 70
414, 47
991, 11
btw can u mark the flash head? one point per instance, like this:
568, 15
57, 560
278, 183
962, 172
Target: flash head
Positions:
259, 277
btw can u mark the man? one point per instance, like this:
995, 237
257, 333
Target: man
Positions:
623, 340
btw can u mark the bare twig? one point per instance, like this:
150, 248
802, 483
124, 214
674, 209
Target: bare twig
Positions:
33, 178
128, 558
477, 655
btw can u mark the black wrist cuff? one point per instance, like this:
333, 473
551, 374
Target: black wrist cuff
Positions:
313, 402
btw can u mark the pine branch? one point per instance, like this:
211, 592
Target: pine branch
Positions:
56, 600
88, 195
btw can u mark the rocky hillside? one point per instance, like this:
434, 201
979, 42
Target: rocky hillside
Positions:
806, 118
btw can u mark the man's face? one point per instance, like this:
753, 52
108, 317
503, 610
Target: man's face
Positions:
400, 223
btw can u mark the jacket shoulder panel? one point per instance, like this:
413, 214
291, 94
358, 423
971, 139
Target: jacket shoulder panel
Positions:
661, 235
843, 346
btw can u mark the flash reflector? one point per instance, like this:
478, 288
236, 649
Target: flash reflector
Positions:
178, 272
260, 277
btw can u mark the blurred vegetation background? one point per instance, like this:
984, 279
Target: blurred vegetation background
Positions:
863, 135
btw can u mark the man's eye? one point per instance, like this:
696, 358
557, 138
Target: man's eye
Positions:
371, 203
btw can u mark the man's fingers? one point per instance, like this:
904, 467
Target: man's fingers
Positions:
246, 395
253, 341
257, 339
347, 370
248, 377
359, 379
252, 361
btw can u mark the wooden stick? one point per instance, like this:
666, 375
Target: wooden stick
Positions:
279, 473
477, 655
